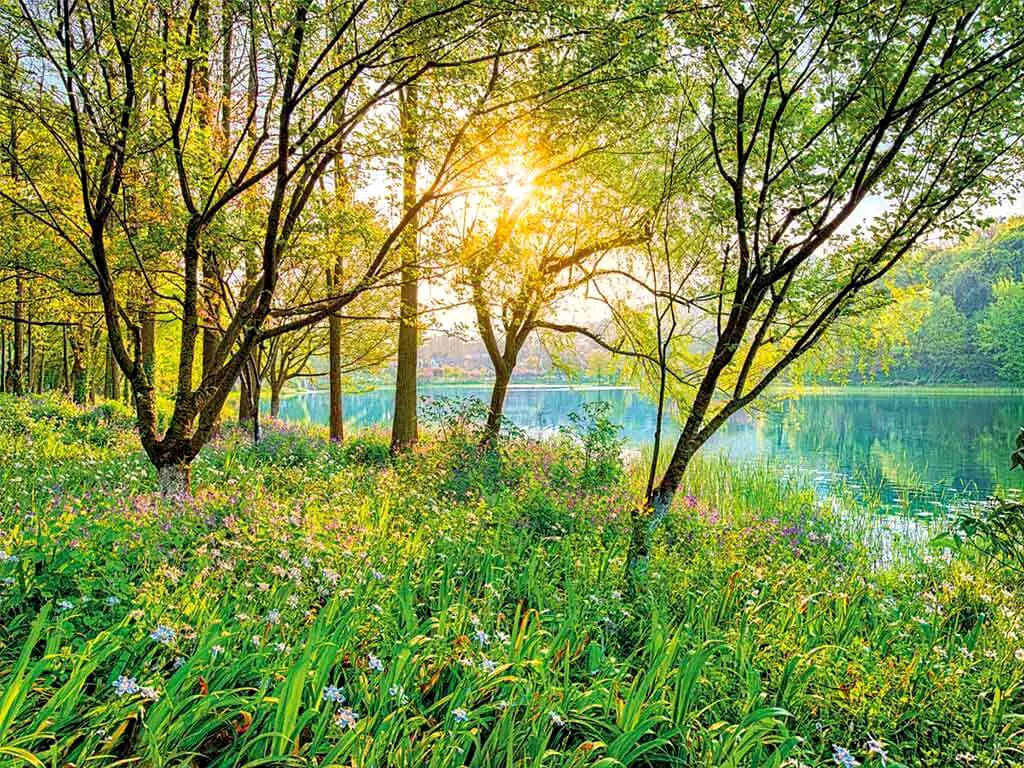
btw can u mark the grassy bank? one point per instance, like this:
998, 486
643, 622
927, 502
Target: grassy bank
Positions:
328, 605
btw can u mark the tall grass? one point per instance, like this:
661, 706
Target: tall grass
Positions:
325, 605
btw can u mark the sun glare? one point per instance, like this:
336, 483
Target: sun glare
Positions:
515, 181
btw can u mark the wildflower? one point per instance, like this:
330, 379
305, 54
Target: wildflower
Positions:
65, 605
377, 575
113, 600
256, 640
334, 694
281, 648
375, 664
273, 617
5, 557
346, 718
966, 757
398, 692
1019, 655
216, 651
488, 666
179, 662
556, 719
150, 694
502, 636
460, 715
875, 748
481, 637
125, 685
843, 757
162, 634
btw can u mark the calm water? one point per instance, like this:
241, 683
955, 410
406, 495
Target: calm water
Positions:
923, 450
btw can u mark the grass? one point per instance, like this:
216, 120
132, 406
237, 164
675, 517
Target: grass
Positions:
328, 605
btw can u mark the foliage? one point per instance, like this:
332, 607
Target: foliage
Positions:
600, 439
942, 316
1002, 327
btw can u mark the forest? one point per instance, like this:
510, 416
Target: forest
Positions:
767, 514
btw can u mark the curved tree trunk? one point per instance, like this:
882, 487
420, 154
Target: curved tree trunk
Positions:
502, 376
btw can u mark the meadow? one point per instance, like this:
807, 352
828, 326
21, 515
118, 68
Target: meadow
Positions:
321, 604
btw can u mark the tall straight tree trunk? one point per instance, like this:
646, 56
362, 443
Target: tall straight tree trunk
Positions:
64, 362
16, 375
404, 426
41, 376
210, 274
17, 353
113, 376
3, 357
79, 377
147, 320
337, 412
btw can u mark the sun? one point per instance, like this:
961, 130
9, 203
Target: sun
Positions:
515, 181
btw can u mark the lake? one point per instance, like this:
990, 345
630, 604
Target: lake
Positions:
914, 448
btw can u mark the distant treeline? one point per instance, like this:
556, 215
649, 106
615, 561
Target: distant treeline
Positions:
956, 316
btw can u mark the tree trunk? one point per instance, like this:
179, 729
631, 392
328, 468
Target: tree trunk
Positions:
275, 400
17, 381
244, 401
502, 376
175, 480
337, 416
404, 426
644, 522
41, 380
79, 379
147, 319
64, 368
113, 376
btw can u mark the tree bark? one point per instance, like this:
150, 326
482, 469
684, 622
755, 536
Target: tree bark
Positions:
244, 401
16, 376
147, 319
65, 370
502, 376
275, 400
175, 480
404, 426
113, 377
337, 415
79, 379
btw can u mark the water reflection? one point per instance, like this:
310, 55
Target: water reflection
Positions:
918, 450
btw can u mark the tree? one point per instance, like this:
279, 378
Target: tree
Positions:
122, 98
1001, 329
531, 247
789, 116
